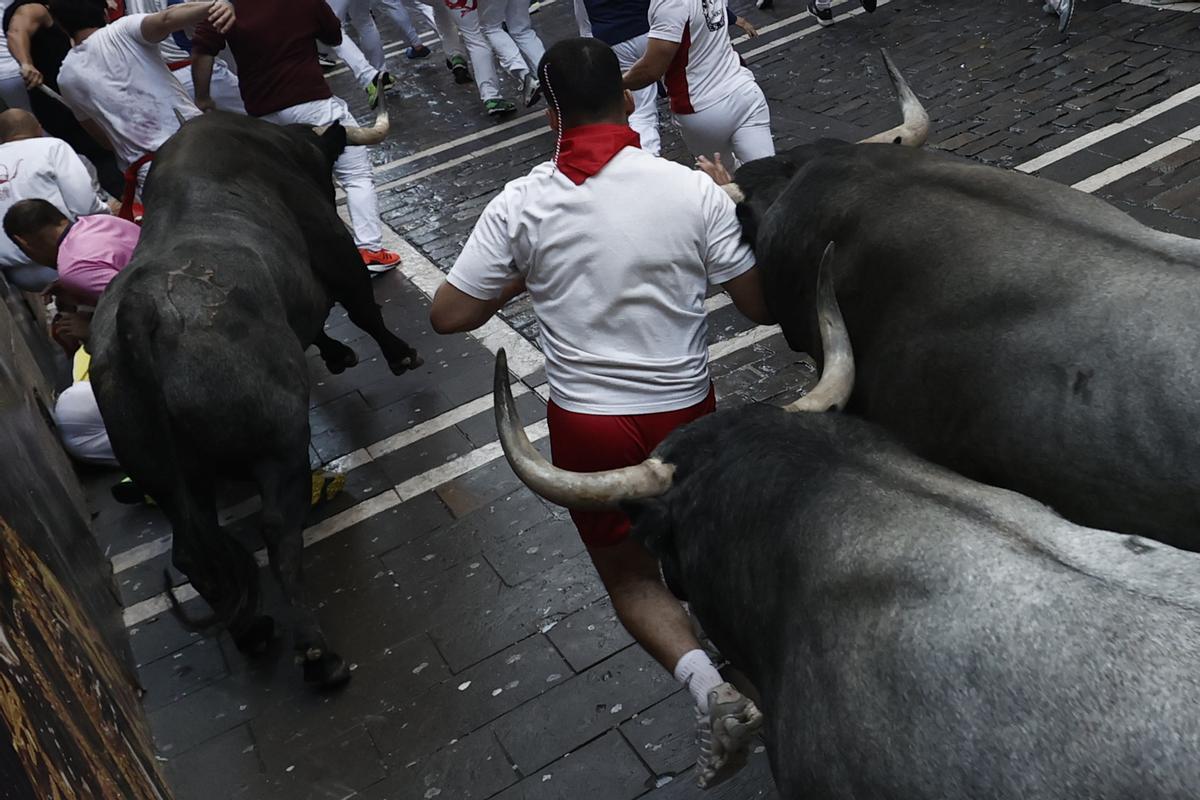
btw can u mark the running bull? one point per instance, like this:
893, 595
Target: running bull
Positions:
913, 634
199, 366
1020, 332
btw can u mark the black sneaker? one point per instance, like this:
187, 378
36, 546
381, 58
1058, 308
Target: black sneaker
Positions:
868, 6
327, 62
1066, 10
458, 66
765, 5
823, 15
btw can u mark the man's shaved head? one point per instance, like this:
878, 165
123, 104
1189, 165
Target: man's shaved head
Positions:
582, 81
17, 123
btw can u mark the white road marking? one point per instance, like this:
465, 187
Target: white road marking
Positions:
1140, 161
791, 37
454, 162
153, 606
523, 358
1188, 8
1108, 131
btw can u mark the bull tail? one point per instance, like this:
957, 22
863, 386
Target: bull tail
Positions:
223, 572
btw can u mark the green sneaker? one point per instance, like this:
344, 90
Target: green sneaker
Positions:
376, 87
458, 67
389, 82
499, 106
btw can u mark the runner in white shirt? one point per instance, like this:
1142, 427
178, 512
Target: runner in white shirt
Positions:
176, 51
716, 101
41, 167
617, 249
115, 80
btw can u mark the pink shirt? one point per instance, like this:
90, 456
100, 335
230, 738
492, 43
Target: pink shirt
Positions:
92, 252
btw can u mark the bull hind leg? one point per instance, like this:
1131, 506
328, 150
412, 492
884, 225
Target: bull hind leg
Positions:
338, 356
286, 492
218, 567
353, 290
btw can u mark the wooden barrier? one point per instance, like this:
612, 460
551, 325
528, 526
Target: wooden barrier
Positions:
68, 693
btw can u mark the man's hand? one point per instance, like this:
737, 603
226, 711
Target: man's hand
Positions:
714, 169
221, 17
31, 75
76, 325
747, 26
206, 104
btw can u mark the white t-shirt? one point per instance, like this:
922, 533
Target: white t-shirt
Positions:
706, 67
617, 268
48, 169
118, 79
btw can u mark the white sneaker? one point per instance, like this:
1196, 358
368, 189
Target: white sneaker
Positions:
724, 735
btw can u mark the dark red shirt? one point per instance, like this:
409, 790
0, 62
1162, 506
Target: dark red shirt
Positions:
275, 45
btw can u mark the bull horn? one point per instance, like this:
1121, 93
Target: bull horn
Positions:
374, 134
588, 491
915, 129
364, 136
832, 391
734, 191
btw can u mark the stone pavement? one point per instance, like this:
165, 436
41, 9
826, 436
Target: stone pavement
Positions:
488, 663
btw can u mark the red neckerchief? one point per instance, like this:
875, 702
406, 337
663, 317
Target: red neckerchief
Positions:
584, 150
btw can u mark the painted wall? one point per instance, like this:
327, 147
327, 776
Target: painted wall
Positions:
71, 725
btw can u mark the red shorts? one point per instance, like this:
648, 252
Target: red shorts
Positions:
594, 442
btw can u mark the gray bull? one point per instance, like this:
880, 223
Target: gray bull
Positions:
914, 635
199, 366
1020, 332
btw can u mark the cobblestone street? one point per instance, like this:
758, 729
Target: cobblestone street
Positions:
487, 661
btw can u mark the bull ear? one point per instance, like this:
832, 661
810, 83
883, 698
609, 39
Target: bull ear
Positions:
332, 142
651, 526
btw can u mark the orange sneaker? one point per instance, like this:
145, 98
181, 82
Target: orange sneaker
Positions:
379, 260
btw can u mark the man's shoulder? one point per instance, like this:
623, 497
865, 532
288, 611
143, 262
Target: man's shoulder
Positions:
651, 170
531, 182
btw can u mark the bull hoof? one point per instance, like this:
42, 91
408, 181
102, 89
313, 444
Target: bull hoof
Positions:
256, 637
403, 365
327, 671
341, 362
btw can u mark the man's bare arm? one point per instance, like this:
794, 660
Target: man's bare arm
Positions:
26, 21
455, 311
747, 294
202, 70
160, 25
653, 64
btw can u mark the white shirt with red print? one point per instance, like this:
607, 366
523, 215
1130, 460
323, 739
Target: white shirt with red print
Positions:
706, 67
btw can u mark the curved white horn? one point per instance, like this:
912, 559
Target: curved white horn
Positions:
832, 391
374, 134
579, 490
915, 129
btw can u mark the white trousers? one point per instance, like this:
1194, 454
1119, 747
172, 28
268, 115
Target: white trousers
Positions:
352, 169
479, 51
582, 20
443, 22
81, 426
368, 61
520, 43
738, 126
224, 89
644, 118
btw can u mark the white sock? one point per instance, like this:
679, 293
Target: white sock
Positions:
695, 670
